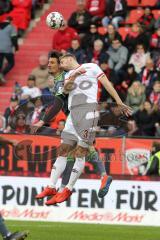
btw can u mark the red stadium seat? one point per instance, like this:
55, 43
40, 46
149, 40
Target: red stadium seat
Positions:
150, 3
133, 3
134, 15
102, 30
156, 13
123, 31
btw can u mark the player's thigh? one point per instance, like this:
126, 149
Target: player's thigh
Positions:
81, 151
64, 149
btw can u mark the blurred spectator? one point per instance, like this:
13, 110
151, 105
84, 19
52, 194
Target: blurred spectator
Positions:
10, 111
77, 51
36, 4
63, 37
80, 19
41, 72
154, 96
145, 119
116, 11
136, 96
5, 6
20, 124
157, 127
17, 90
147, 21
2, 123
153, 166
38, 111
8, 41
49, 91
110, 36
155, 40
135, 36
96, 8
155, 46
91, 37
118, 55
129, 77
97, 55
148, 75
157, 23
132, 129
139, 57
30, 90
21, 14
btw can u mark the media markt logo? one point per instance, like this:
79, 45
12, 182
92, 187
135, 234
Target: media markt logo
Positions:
136, 159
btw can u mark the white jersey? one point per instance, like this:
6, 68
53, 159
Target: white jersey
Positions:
85, 85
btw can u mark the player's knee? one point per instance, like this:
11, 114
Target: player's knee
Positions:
81, 152
64, 149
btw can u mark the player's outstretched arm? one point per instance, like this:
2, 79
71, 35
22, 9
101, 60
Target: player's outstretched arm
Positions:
50, 113
110, 89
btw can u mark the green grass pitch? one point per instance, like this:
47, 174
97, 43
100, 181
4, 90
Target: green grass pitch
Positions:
69, 231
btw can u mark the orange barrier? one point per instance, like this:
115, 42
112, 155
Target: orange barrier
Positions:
35, 155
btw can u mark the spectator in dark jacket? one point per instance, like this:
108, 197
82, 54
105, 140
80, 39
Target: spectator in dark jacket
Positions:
116, 11
10, 111
8, 41
80, 19
147, 20
91, 37
129, 77
145, 119
135, 37
77, 51
110, 35
155, 45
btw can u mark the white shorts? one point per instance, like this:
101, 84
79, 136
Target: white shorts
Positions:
80, 126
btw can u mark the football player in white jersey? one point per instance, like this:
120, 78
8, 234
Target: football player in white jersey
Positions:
81, 82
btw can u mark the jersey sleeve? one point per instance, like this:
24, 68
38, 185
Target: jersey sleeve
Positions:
98, 71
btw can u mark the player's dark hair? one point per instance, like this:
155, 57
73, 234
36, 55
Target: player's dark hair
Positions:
55, 54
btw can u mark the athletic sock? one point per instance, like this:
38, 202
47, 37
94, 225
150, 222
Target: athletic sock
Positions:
76, 172
100, 166
57, 170
67, 172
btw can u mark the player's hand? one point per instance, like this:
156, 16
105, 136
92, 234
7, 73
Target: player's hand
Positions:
35, 127
126, 110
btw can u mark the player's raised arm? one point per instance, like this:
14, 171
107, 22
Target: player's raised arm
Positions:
110, 89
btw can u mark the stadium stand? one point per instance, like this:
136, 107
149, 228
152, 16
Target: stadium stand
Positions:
121, 50
33, 46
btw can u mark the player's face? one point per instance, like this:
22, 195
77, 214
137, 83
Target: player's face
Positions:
65, 64
53, 66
